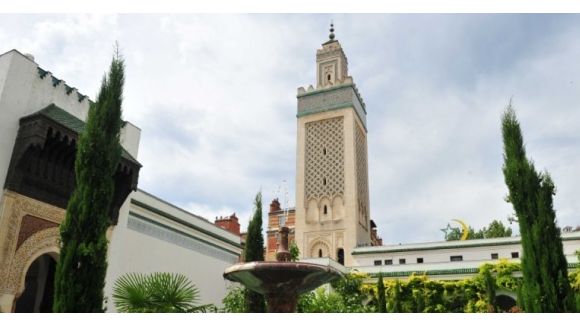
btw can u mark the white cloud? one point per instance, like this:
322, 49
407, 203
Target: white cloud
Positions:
214, 96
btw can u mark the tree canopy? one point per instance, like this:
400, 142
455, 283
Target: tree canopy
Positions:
495, 229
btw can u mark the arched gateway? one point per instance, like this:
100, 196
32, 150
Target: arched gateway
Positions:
33, 240
38, 286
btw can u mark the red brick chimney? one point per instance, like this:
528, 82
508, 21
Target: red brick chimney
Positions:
275, 205
229, 223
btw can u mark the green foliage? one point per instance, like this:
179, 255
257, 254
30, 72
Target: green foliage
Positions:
235, 300
321, 301
504, 275
346, 295
294, 251
455, 234
81, 269
395, 295
381, 299
254, 251
489, 283
545, 284
496, 229
305, 302
350, 289
416, 294
157, 292
420, 294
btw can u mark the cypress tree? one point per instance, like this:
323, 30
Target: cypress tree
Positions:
489, 282
81, 269
254, 251
545, 285
396, 304
381, 299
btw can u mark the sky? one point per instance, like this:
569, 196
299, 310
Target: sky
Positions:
215, 98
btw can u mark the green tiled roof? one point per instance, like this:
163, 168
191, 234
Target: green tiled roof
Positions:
73, 123
64, 118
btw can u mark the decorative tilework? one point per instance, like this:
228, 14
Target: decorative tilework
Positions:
324, 158
333, 98
362, 173
185, 241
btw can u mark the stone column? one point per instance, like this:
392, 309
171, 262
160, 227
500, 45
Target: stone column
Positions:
7, 302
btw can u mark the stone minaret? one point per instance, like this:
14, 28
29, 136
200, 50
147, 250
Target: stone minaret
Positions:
332, 196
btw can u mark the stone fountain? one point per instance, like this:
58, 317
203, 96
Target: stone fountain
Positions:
282, 281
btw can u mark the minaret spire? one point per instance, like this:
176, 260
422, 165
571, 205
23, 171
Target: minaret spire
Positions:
331, 36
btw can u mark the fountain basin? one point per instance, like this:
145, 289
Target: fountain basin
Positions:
281, 282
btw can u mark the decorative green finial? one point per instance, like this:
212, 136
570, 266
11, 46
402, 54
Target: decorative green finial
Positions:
331, 36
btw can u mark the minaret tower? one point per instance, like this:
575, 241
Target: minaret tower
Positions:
332, 196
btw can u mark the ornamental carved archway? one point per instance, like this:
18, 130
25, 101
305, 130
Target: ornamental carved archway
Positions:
28, 229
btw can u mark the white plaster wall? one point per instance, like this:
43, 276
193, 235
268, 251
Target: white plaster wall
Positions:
473, 254
130, 137
132, 251
16, 77
440, 256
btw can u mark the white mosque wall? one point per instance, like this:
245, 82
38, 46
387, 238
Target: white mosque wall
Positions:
436, 256
23, 92
155, 236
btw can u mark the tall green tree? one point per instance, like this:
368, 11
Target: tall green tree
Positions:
381, 299
81, 269
545, 283
254, 251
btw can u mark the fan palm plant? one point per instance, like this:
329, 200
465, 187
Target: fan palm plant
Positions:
157, 292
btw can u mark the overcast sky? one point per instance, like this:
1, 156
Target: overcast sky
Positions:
215, 98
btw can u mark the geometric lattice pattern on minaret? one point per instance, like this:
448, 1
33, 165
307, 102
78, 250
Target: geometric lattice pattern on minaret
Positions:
361, 169
324, 159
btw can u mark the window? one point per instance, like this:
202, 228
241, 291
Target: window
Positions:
456, 258
324, 181
419, 260
402, 261
377, 263
325, 210
340, 256
324, 151
388, 262
328, 77
494, 256
319, 252
515, 254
